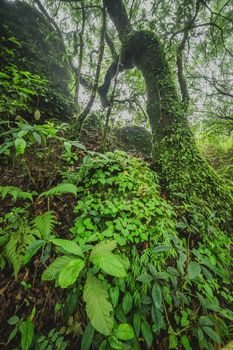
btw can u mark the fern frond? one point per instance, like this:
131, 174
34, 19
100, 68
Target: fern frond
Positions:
17, 246
15, 192
45, 223
60, 189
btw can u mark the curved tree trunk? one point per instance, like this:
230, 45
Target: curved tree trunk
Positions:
186, 176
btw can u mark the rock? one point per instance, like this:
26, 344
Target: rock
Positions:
134, 138
41, 52
93, 123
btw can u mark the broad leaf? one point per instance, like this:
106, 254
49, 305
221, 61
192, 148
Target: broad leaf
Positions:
112, 265
114, 295
127, 303
194, 270
69, 246
137, 324
20, 145
55, 268
145, 278
102, 248
87, 337
27, 331
124, 332
157, 295
160, 248
32, 250
97, 305
70, 272
147, 333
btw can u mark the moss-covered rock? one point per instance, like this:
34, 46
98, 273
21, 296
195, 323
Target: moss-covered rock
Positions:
38, 50
134, 138
93, 123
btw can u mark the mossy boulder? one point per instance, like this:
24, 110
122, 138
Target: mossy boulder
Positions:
93, 123
134, 138
38, 49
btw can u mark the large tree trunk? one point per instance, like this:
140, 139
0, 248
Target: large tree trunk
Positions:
185, 175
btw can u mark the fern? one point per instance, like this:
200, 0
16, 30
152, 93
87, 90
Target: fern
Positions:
60, 189
45, 224
17, 245
16, 193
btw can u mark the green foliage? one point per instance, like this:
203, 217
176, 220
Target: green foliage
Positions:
22, 135
169, 283
24, 327
120, 196
15, 237
16, 193
60, 189
17, 86
98, 307
54, 340
44, 223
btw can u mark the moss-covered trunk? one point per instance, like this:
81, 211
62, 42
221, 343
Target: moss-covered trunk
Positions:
184, 174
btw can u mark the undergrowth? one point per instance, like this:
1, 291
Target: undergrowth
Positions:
130, 270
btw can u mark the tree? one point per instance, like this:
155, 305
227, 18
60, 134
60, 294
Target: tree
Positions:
183, 170
184, 174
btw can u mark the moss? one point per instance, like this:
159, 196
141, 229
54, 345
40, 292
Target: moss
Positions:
40, 52
190, 180
134, 138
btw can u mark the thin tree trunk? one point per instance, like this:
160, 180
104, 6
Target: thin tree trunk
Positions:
91, 101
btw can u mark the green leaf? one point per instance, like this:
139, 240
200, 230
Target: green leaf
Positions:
44, 223
69, 246
32, 250
115, 343
127, 303
103, 345
55, 268
137, 324
158, 319
157, 295
37, 115
212, 334
70, 272
20, 145
124, 332
103, 248
181, 261
185, 342
97, 305
160, 248
194, 270
145, 278
87, 337
206, 321
12, 334
27, 332
37, 137
110, 263
13, 320
60, 189
114, 295
147, 333
173, 341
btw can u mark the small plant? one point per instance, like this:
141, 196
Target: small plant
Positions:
24, 327
54, 340
15, 237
